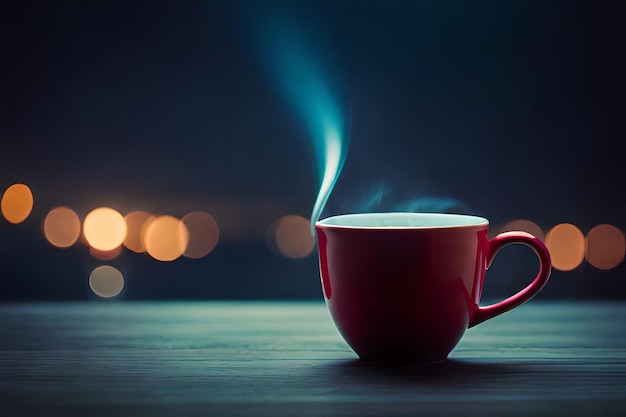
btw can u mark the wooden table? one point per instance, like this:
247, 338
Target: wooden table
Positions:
286, 359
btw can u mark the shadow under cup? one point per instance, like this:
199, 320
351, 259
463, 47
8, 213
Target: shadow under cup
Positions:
406, 286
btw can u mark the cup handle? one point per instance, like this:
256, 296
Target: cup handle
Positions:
507, 238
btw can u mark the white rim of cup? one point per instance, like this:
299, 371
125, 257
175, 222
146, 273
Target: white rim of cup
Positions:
458, 221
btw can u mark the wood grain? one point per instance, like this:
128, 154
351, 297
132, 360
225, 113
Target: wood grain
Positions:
280, 358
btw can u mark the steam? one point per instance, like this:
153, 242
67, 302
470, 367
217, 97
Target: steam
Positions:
330, 168
293, 61
383, 198
433, 205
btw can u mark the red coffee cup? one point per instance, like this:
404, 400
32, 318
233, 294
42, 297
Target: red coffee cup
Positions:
406, 286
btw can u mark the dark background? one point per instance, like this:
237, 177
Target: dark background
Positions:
514, 109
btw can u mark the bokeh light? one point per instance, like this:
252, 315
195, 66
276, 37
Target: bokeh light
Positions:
566, 244
105, 255
135, 223
293, 238
166, 238
61, 227
144, 231
524, 226
17, 203
104, 229
203, 234
605, 246
106, 281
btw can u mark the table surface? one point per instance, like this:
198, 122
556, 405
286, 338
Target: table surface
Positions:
286, 358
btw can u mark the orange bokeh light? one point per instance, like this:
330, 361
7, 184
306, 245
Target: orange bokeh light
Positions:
105, 255
17, 203
524, 226
566, 244
203, 234
293, 238
104, 229
135, 222
166, 238
605, 246
61, 227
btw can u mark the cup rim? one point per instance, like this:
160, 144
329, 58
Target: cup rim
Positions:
385, 220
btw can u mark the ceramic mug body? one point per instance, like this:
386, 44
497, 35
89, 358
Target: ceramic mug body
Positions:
406, 286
